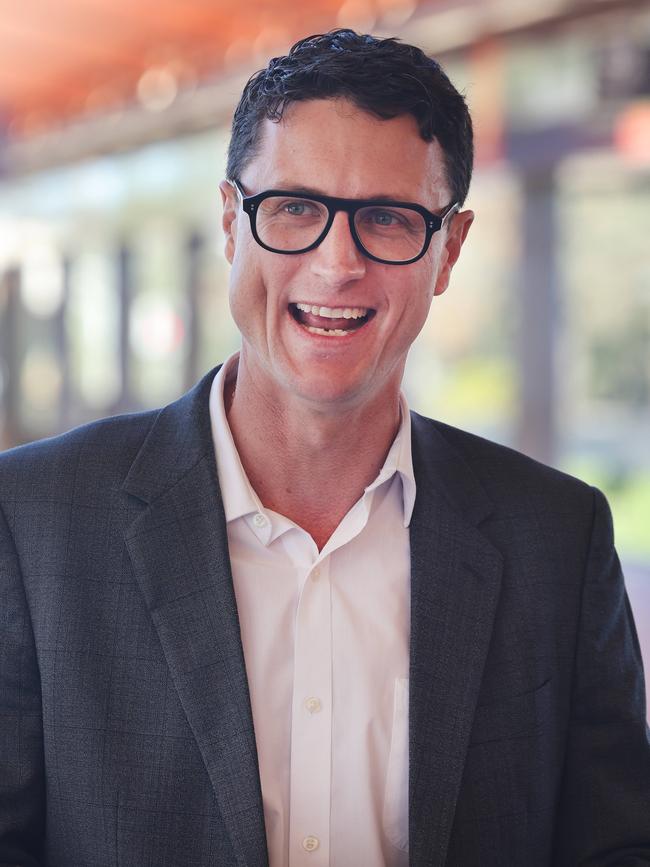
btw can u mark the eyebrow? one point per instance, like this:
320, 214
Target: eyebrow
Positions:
312, 191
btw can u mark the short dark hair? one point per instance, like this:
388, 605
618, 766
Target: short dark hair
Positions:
384, 77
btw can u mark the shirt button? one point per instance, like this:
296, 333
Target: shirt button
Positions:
259, 520
313, 704
315, 573
310, 843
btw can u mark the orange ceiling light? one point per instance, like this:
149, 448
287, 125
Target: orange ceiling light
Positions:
61, 59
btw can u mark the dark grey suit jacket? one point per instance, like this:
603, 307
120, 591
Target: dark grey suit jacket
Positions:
126, 736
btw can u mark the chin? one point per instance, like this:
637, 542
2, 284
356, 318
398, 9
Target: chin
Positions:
328, 391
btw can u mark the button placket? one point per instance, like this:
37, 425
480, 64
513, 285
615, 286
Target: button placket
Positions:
311, 726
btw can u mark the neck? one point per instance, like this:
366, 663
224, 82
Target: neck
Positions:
305, 463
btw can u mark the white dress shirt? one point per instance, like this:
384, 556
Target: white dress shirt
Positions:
326, 645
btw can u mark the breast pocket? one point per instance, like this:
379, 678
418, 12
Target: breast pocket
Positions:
519, 716
396, 794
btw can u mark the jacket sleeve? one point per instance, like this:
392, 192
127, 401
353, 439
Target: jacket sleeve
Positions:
604, 815
22, 793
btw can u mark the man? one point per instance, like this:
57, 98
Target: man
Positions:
285, 621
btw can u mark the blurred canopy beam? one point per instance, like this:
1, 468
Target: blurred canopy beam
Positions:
70, 68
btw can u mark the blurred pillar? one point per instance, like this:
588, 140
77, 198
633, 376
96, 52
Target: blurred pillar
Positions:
487, 63
125, 293
10, 433
193, 256
538, 298
62, 347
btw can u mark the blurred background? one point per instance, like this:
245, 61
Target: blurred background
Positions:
114, 122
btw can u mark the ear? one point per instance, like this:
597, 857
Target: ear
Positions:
229, 218
456, 234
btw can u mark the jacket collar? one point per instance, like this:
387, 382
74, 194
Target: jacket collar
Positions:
179, 439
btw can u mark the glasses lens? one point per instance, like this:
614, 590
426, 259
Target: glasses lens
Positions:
289, 223
391, 233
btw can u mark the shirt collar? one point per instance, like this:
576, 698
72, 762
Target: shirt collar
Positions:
400, 460
239, 498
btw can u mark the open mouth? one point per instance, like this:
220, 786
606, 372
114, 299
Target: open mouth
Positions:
330, 321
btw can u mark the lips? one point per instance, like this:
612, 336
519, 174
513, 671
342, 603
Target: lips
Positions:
330, 321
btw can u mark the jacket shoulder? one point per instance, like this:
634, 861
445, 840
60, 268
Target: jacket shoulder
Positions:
102, 450
509, 476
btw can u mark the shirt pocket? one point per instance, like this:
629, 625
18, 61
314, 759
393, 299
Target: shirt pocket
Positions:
396, 794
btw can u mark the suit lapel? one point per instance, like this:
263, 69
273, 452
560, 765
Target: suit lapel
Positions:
455, 581
179, 551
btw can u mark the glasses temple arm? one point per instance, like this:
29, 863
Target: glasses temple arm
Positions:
449, 213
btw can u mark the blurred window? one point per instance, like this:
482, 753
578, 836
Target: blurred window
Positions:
158, 315
93, 318
604, 356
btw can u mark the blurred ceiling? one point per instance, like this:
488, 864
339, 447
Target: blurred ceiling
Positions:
65, 58
67, 62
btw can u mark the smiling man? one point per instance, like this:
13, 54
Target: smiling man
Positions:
332, 281
285, 620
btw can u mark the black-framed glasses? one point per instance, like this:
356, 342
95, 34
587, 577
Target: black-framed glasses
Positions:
290, 222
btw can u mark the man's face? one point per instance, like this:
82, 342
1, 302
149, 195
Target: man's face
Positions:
333, 148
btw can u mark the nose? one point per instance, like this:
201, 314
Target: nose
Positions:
337, 259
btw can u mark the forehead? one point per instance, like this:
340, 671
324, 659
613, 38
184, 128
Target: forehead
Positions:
341, 150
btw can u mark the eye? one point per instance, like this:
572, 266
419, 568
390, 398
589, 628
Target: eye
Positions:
390, 223
383, 218
295, 208
300, 208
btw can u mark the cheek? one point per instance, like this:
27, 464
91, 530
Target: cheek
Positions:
410, 320
247, 280
245, 293
417, 315
414, 296
259, 287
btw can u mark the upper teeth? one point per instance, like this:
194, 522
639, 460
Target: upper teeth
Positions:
334, 312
